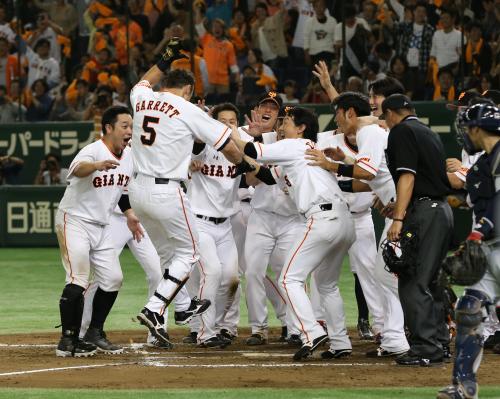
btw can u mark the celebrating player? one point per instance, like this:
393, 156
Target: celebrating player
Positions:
97, 178
165, 127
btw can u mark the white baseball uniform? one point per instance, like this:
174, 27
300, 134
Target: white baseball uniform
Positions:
239, 222
363, 251
82, 220
272, 227
165, 126
145, 253
212, 192
329, 232
372, 143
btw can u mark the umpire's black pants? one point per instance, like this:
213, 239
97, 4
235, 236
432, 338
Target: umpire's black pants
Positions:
420, 297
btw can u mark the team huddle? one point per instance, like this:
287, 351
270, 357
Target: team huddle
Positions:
202, 202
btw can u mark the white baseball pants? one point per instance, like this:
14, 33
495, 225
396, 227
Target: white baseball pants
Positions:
267, 234
165, 212
393, 333
218, 269
327, 236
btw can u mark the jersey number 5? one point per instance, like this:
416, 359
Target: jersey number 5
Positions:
149, 135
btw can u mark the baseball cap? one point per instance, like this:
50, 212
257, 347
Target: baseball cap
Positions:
464, 99
273, 97
395, 101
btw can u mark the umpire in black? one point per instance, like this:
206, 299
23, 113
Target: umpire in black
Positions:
417, 162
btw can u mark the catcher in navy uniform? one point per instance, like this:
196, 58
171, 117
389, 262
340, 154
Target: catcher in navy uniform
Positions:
479, 257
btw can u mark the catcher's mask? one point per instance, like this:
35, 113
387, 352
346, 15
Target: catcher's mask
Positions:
400, 257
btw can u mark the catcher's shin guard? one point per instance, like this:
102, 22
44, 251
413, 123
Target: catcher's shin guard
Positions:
469, 342
180, 284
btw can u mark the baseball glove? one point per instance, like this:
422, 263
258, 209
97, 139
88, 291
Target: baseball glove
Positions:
467, 265
400, 257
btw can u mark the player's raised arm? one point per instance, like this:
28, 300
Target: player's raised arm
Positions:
172, 53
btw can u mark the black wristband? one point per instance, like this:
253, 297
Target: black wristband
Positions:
198, 148
345, 170
265, 176
124, 203
163, 64
250, 150
397, 220
346, 185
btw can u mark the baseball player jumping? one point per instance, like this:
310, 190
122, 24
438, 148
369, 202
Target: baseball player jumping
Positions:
165, 127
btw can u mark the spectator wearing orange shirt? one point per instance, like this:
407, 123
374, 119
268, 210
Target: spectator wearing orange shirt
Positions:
220, 58
8, 65
119, 35
101, 63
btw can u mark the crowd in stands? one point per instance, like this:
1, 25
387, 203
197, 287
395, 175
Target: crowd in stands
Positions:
68, 60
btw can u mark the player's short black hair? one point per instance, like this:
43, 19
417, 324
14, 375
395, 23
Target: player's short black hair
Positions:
386, 86
177, 79
304, 116
110, 116
357, 101
225, 107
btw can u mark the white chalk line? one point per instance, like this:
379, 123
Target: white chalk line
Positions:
88, 366
260, 365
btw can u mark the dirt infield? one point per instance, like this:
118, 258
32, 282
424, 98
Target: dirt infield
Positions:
29, 361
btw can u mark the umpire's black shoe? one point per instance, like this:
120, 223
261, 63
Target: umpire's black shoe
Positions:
98, 338
197, 307
68, 346
154, 322
492, 340
411, 359
307, 350
336, 354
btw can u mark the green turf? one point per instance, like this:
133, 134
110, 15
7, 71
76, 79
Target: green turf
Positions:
33, 278
244, 393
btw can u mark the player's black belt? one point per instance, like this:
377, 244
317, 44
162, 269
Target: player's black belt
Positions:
427, 198
326, 207
212, 219
161, 180
246, 200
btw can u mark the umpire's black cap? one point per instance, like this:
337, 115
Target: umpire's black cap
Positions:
395, 101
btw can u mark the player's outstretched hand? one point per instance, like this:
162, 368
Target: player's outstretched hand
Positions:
135, 226
256, 126
335, 153
317, 158
106, 165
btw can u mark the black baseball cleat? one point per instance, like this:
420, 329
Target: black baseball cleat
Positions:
256, 339
411, 359
154, 322
68, 346
155, 343
197, 307
98, 338
307, 350
364, 331
381, 352
284, 334
294, 340
336, 354
190, 338
225, 333
215, 342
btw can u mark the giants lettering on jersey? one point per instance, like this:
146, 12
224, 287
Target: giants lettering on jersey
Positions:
218, 170
155, 106
109, 180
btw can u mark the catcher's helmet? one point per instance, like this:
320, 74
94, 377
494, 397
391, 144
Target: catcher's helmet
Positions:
400, 257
